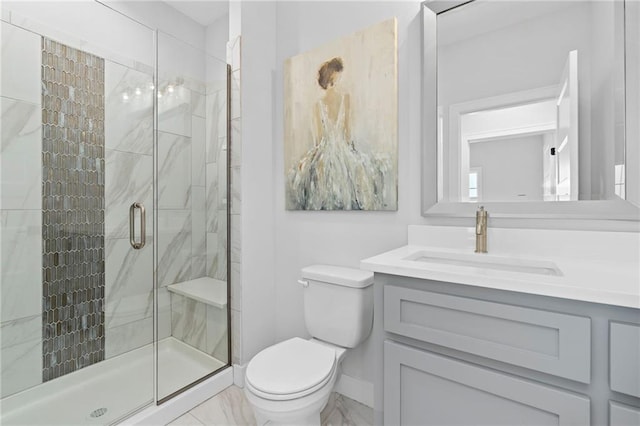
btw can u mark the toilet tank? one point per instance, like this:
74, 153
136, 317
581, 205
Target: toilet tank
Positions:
338, 304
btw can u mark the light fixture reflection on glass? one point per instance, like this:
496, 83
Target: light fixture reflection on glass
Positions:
151, 86
159, 95
138, 91
125, 96
170, 88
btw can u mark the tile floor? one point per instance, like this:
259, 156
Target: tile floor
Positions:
231, 408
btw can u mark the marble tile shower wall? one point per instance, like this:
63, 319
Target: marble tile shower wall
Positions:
128, 126
192, 206
233, 58
20, 211
129, 178
192, 241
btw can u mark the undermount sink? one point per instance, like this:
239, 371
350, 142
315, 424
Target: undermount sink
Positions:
485, 261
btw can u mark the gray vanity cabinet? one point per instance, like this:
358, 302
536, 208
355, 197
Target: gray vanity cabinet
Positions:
422, 388
623, 415
545, 341
463, 355
625, 358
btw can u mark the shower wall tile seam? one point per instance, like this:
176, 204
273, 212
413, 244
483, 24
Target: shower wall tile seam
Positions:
124, 151
174, 134
9, 98
146, 317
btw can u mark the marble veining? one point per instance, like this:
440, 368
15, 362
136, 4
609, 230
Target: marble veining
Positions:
235, 94
198, 106
198, 150
164, 313
236, 149
21, 366
128, 269
236, 199
188, 321
212, 197
213, 255
222, 247
21, 330
174, 246
236, 288
174, 109
222, 180
341, 410
217, 341
20, 64
198, 234
127, 337
232, 142
128, 109
230, 407
233, 52
129, 282
20, 261
128, 178
20, 162
216, 128
236, 333
174, 177
236, 246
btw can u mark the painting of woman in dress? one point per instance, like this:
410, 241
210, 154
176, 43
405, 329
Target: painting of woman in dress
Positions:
344, 166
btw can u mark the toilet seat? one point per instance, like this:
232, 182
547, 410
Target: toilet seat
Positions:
290, 369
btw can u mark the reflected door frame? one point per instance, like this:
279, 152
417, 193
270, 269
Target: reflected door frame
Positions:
458, 155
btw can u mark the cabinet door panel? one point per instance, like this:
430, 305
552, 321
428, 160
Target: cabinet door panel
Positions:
625, 358
422, 388
623, 415
549, 342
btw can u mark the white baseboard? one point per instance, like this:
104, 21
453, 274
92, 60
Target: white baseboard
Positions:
180, 404
238, 375
356, 389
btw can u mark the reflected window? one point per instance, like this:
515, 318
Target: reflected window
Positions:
474, 184
619, 181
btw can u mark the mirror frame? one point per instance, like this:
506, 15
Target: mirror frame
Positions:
616, 209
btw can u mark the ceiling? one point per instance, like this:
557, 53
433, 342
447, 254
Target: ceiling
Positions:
203, 12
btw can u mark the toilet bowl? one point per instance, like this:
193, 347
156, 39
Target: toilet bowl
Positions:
289, 383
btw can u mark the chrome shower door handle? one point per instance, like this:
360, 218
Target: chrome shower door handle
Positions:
132, 228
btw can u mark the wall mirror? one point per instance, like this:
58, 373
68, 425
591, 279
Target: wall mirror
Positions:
527, 108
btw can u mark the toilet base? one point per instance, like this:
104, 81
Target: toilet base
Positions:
303, 411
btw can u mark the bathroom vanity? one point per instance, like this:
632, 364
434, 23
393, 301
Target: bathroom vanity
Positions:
519, 117
544, 329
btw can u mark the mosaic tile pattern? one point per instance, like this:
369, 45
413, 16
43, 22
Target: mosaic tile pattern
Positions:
72, 209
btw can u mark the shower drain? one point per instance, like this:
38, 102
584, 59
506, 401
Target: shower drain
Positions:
99, 412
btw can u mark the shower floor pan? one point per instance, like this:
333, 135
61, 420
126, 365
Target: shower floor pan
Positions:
108, 392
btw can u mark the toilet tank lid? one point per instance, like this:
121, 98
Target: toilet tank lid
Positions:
339, 275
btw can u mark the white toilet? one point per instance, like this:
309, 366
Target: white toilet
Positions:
289, 383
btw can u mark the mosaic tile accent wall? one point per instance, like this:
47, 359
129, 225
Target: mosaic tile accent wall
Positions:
72, 209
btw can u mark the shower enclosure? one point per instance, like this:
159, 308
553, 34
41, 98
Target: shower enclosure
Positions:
113, 207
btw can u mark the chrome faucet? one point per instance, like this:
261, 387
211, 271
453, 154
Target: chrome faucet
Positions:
481, 230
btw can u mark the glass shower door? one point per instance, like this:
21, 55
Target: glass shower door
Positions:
76, 177
192, 170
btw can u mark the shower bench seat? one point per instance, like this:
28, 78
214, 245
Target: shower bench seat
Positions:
206, 290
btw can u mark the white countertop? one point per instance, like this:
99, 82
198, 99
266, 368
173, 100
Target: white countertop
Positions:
599, 267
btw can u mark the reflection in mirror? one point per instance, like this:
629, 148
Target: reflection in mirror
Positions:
530, 101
